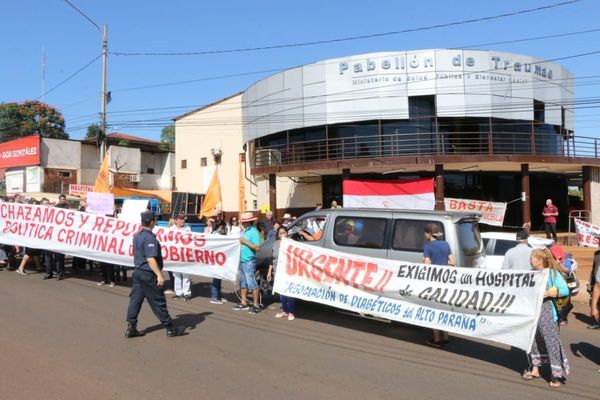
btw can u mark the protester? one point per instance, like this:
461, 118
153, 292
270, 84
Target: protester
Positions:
234, 227
108, 274
518, 256
286, 220
437, 251
567, 265
334, 204
250, 241
547, 348
182, 282
210, 222
266, 226
550, 213
215, 286
33, 254
148, 279
52, 258
288, 304
594, 289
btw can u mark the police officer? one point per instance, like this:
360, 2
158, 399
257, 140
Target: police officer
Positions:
148, 279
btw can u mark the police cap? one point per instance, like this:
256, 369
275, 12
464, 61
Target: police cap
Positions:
147, 216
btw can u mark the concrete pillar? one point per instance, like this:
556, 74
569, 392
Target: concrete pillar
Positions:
586, 180
439, 187
273, 194
525, 205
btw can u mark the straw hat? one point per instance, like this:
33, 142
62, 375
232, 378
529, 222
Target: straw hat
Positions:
247, 217
287, 216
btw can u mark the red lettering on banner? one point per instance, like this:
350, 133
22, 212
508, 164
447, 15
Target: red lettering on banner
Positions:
338, 270
368, 278
195, 256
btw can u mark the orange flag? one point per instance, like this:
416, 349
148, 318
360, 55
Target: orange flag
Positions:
242, 190
103, 179
212, 198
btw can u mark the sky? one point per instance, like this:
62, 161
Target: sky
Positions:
148, 91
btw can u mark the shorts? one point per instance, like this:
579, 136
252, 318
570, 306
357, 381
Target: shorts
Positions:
33, 252
246, 271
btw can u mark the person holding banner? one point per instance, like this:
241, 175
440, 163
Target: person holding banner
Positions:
181, 282
288, 303
437, 251
547, 348
148, 279
250, 240
215, 286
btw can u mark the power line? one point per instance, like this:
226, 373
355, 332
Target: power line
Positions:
351, 38
83, 14
70, 76
529, 39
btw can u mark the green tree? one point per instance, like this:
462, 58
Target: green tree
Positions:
30, 118
167, 138
94, 131
123, 143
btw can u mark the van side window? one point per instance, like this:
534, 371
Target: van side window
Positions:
409, 234
360, 232
310, 229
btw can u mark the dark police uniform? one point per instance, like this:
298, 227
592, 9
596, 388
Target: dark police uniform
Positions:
144, 284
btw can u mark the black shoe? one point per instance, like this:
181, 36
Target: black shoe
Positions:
594, 326
173, 331
254, 309
48, 276
60, 278
132, 332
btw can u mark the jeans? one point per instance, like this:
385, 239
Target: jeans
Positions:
144, 287
215, 289
288, 304
246, 271
52, 259
108, 272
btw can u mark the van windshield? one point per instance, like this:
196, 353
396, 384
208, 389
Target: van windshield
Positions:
469, 238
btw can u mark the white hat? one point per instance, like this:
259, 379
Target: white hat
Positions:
287, 216
247, 217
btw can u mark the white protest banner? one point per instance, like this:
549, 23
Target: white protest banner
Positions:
502, 306
110, 240
587, 234
100, 203
492, 213
132, 208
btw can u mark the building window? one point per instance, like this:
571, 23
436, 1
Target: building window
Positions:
183, 164
254, 204
149, 170
64, 174
539, 113
203, 162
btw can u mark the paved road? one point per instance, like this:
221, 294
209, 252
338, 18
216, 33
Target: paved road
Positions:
64, 340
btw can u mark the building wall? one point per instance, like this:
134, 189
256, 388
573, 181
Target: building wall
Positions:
595, 189
60, 154
217, 127
305, 193
163, 165
57, 180
90, 164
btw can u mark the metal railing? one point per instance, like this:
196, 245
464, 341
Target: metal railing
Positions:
426, 144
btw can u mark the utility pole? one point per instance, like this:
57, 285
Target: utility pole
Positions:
104, 93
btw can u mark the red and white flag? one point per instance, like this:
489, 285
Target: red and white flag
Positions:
413, 194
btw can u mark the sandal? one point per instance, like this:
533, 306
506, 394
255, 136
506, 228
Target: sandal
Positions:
434, 343
281, 314
528, 376
554, 384
22, 272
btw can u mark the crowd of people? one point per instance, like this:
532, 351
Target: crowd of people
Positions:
149, 283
